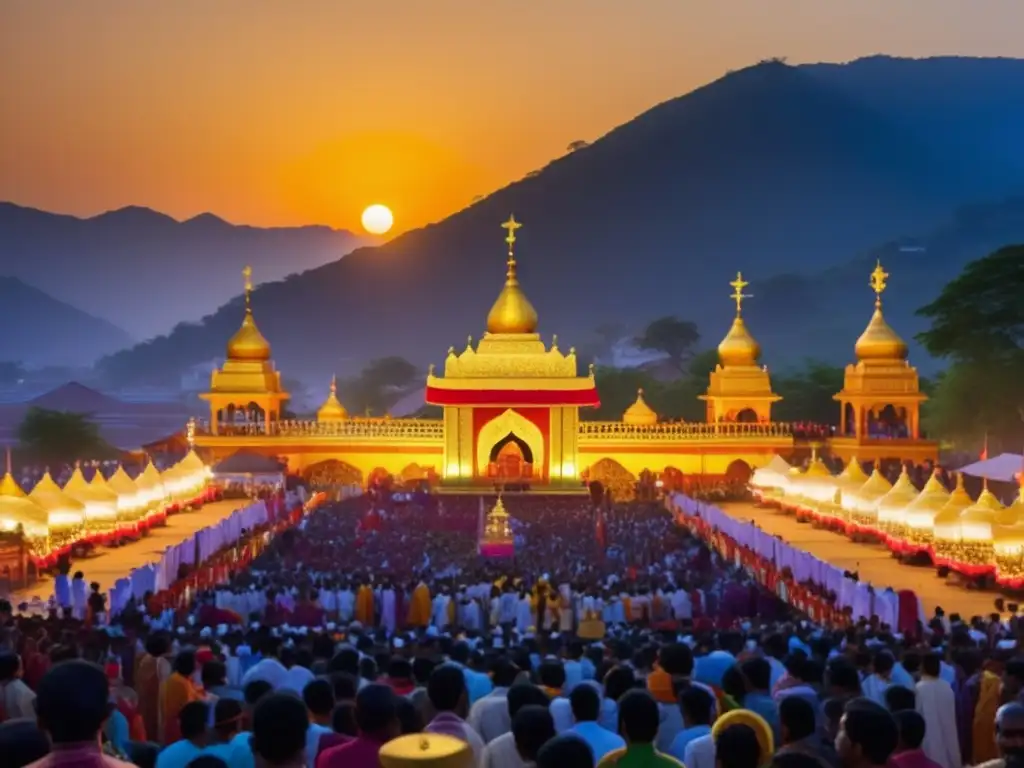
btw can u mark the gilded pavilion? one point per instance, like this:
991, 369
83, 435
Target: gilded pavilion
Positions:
512, 403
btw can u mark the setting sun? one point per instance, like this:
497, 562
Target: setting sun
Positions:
377, 219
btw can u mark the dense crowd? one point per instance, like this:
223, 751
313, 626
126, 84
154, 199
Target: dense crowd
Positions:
612, 637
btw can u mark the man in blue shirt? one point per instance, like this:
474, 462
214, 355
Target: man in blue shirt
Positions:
697, 706
586, 706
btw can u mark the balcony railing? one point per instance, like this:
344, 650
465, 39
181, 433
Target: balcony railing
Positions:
595, 431
357, 429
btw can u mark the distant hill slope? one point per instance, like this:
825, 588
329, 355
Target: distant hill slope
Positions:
770, 169
40, 330
145, 271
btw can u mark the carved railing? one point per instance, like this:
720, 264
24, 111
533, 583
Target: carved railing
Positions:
597, 431
359, 429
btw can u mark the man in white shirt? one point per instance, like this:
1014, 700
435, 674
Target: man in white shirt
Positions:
18, 698
490, 716
502, 752
936, 703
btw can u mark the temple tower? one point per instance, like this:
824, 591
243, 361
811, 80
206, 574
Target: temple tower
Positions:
511, 405
881, 396
739, 388
246, 388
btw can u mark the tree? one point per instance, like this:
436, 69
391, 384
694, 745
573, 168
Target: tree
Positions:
674, 337
61, 437
977, 324
381, 384
578, 144
807, 393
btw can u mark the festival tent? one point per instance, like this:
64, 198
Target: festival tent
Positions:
1004, 468
131, 503
773, 476
19, 511
100, 505
250, 468
65, 515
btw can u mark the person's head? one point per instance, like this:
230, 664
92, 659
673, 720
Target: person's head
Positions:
192, 720
318, 696
421, 669
400, 669
409, 719
214, 674
227, 718
911, 728
832, 709
185, 662
843, 679
71, 702
376, 713
532, 727
1013, 680
504, 673
524, 695
345, 660
899, 698
551, 674
736, 746
22, 742
795, 760
279, 725
931, 664
696, 706
883, 663
758, 673
796, 716
206, 761
638, 717
344, 685
446, 690
10, 666
565, 751
618, 681
867, 734
1010, 732
585, 702
343, 719
676, 659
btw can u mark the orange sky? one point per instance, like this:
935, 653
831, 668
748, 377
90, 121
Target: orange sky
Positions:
267, 112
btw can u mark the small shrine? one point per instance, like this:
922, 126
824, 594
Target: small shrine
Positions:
497, 539
332, 409
739, 390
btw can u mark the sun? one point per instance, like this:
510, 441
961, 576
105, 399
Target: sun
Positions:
377, 219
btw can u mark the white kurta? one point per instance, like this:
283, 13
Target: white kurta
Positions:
388, 617
936, 703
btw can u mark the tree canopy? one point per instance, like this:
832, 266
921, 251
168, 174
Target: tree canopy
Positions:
61, 437
977, 324
381, 384
675, 338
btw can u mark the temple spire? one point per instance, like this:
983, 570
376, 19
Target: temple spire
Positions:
878, 282
511, 226
247, 277
737, 294
512, 313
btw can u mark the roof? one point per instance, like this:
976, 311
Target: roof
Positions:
1004, 467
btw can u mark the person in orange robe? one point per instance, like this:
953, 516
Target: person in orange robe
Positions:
364, 605
419, 606
152, 668
177, 691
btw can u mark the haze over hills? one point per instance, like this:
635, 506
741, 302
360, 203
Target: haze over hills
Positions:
39, 330
145, 271
772, 170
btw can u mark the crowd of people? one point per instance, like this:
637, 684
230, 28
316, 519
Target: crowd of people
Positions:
374, 633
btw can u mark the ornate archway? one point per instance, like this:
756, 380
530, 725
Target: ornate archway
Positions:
615, 478
498, 430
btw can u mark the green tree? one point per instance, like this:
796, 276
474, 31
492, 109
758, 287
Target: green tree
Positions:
977, 325
807, 393
61, 437
673, 337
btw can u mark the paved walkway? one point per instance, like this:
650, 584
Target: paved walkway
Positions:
112, 564
873, 562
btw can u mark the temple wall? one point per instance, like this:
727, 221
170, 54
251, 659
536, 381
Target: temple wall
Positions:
709, 461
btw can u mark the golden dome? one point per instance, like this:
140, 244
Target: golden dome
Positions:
512, 312
738, 347
248, 343
332, 409
640, 413
879, 341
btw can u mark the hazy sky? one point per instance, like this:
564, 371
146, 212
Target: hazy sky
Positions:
305, 111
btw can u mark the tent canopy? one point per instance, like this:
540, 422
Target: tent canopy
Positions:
248, 463
1004, 467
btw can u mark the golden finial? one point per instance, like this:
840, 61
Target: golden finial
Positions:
511, 226
247, 276
430, 370
190, 433
469, 342
334, 384
8, 460
737, 295
878, 278
554, 341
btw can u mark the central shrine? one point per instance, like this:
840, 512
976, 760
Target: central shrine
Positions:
512, 404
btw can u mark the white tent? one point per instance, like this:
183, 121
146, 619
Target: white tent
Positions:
1004, 467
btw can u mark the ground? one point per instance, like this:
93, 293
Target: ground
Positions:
112, 564
873, 562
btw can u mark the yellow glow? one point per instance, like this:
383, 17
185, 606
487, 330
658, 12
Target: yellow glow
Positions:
378, 219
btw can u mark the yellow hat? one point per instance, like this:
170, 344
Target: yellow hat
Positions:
758, 724
426, 749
